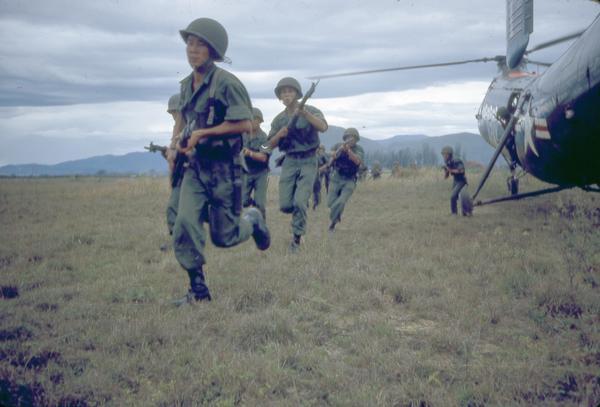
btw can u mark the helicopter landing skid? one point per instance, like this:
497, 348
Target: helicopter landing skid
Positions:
523, 195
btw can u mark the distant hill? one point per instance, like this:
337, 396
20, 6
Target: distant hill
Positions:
472, 145
132, 163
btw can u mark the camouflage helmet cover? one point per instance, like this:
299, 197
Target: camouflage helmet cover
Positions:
257, 114
291, 82
351, 132
208, 30
447, 150
173, 105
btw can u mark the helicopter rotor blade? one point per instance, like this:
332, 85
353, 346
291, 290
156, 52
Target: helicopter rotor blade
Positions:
554, 42
403, 68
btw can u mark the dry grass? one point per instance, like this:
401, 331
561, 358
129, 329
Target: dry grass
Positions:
405, 305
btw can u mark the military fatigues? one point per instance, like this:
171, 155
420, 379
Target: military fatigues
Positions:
172, 207
460, 180
173, 202
212, 184
257, 175
322, 159
343, 183
299, 167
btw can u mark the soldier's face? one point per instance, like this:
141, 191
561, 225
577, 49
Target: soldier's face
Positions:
256, 124
197, 51
288, 95
446, 156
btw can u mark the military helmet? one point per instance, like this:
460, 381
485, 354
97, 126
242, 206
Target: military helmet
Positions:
447, 150
173, 104
351, 132
208, 30
291, 82
257, 114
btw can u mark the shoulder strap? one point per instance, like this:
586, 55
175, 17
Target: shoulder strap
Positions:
211, 97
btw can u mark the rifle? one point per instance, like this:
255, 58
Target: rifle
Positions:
292, 123
181, 158
153, 148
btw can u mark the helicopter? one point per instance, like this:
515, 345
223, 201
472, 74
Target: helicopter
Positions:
546, 125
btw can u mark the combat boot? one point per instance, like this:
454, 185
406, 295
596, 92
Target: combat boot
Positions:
260, 232
198, 289
294, 246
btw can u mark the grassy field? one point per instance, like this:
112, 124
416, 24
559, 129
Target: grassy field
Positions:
404, 305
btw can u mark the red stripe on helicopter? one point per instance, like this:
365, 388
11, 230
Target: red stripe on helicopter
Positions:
541, 129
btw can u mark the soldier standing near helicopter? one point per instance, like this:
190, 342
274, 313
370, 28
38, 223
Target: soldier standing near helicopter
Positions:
456, 168
216, 111
300, 145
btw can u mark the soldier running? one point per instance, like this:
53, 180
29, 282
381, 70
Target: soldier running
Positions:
300, 145
346, 162
216, 111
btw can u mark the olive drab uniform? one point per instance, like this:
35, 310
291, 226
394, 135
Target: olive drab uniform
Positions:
257, 175
299, 166
460, 180
343, 183
376, 170
211, 185
322, 159
173, 203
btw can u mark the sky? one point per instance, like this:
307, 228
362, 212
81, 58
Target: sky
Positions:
80, 78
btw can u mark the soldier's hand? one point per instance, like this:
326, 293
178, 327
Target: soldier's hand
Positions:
196, 136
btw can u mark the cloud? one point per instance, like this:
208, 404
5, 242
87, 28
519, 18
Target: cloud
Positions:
66, 64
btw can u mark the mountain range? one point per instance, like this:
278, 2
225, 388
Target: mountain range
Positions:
473, 148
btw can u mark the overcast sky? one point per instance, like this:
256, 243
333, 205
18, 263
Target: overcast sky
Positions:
81, 78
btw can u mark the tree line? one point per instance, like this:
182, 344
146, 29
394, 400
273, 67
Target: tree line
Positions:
427, 156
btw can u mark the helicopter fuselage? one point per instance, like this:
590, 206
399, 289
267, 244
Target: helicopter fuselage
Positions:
557, 134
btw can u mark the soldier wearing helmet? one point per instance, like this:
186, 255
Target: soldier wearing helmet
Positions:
346, 162
257, 164
300, 146
215, 112
456, 168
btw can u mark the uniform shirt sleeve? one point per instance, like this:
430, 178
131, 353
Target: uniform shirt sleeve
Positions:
316, 112
276, 125
234, 96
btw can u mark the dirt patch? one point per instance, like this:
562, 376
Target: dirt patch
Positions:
9, 292
15, 334
35, 362
568, 310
